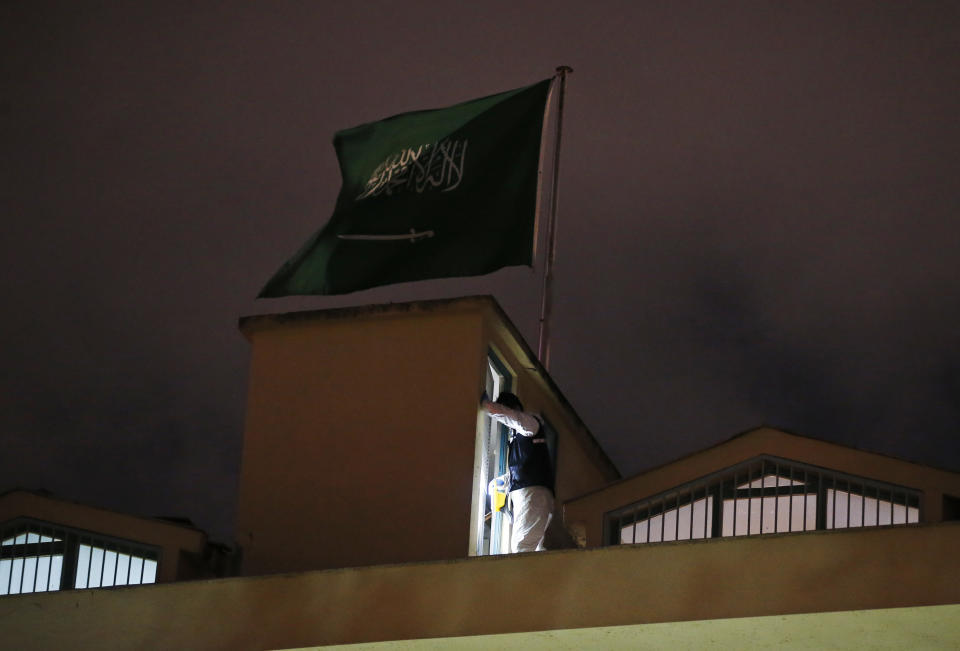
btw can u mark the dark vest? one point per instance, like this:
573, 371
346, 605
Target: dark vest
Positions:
529, 461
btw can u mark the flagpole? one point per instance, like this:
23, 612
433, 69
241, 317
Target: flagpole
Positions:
546, 294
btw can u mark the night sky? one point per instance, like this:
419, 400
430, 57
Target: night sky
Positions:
758, 219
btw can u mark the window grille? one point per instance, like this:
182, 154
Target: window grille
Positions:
38, 556
762, 496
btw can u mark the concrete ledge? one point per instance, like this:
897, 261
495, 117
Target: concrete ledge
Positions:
925, 627
618, 586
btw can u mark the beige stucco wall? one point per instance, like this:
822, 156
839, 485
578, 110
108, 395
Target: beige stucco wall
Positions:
172, 539
624, 585
361, 429
927, 627
588, 510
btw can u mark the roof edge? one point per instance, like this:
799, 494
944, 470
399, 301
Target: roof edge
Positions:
161, 520
747, 432
246, 324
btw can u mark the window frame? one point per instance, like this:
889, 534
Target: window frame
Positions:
66, 543
727, 484
499, 530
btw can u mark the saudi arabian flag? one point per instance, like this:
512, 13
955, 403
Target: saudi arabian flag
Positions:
429, 194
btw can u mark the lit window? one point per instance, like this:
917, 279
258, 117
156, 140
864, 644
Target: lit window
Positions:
98, 567
679, 523
750, 511
762, 496
30, 562
855, 507
491, 530
40, 557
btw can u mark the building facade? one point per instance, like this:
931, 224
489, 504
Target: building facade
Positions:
364, 442
49, 544
363, 518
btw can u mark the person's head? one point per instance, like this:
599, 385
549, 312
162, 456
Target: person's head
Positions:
509, 400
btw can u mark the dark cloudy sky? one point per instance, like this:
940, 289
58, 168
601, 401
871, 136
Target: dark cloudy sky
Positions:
758, 219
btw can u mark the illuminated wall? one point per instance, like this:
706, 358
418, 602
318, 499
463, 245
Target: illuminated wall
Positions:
361, 427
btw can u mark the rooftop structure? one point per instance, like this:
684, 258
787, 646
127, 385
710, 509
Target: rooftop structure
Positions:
49, 544
363, 517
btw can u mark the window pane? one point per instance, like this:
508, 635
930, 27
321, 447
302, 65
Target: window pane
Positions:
56, 570
83, 566
149, 571
43, 574
28, 537
136, 570
96, 568
769, 481
650, 529
853, 510
5, 566
769, 515
13, 575
109, 568
123, 569
30, 574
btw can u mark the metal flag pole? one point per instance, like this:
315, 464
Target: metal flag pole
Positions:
546, 296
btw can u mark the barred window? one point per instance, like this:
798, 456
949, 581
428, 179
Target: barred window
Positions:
762, 496
38, 556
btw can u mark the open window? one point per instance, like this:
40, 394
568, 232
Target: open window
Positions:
490, 530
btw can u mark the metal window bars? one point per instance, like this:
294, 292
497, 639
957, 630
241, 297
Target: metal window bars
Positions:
37, 556
761, 496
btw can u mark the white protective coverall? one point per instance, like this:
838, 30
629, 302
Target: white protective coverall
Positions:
532, 506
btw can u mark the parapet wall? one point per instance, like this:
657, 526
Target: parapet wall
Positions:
630, 584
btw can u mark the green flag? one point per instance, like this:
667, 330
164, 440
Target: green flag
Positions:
429, 194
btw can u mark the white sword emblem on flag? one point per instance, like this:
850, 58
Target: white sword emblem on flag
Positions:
413, 236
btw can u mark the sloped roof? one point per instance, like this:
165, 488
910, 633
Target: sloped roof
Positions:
773, 442
42, 505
